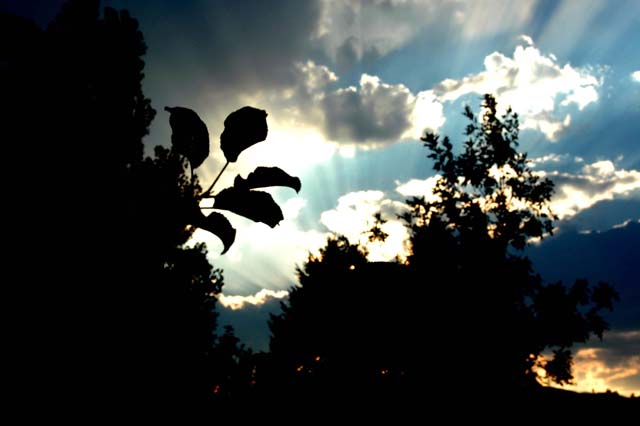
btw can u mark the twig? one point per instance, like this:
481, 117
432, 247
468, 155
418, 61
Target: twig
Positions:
208, 191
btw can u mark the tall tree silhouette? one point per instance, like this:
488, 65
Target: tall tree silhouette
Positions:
465, 308
465, 245
128, 308
136, 304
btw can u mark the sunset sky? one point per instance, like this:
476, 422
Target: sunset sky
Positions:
350, 86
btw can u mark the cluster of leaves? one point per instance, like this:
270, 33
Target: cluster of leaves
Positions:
489, 186
242, 129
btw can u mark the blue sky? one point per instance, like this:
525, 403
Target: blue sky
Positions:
350, 85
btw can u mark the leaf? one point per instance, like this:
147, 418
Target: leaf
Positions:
242, 129
218, 225
189, 136
255, 205
263, 177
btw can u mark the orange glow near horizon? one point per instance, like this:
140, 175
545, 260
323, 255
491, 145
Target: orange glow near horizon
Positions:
592, 374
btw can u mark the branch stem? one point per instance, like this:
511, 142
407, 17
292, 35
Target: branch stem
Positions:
208, 191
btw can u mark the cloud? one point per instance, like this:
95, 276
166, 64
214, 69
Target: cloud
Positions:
353, 31
612, 365
250, 322
419, 188
262, 257
373, 112
549, 159
533, 84
596, 182
427, 114
236, 302
229, 45
635, 76
353, 218
574, 192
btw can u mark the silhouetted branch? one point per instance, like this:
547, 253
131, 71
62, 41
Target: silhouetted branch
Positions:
208, 191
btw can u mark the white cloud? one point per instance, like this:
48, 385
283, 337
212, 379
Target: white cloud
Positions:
315, 77
427, 114
624, 224
636, 76
262, 257
596, 182
235, 302
533, 84
353, 217
419, 188
549, 158
376, 113
527, 39
294, 148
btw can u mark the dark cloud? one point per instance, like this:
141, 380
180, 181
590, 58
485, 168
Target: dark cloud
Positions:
604, 215
233, 44
212, 56
612, 256
372, 112
618, 347
615, 360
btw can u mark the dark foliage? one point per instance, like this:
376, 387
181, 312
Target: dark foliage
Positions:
466, 306
189, 135
264, 177
218, 225
242, 129
125, 311
255, 205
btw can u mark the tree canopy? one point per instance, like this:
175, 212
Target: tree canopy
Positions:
466, 293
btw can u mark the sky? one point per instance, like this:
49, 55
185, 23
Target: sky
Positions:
350, 86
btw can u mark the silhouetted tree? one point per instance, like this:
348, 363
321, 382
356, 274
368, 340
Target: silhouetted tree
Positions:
344, 331
127, 306
465, 310
136, 303
466, 240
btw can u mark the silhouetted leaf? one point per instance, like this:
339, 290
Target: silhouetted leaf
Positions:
242, 129
263, 177
604, 295
255, 205
189, 136
218, 225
